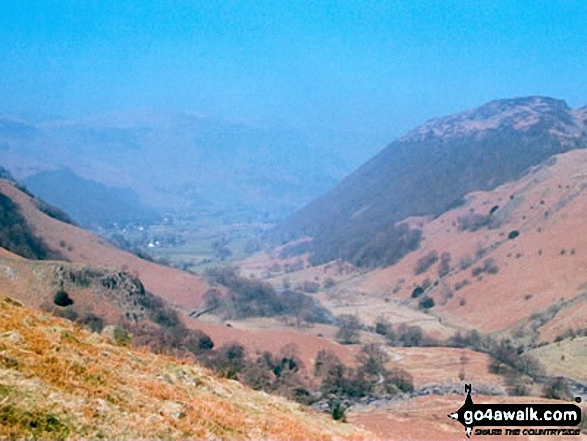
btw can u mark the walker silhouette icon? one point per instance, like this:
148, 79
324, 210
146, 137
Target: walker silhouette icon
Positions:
459, 414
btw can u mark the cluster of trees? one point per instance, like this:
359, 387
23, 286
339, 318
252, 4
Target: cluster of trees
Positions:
221, 249
403, 335
54, 212
16, 235
489, 266
281, 374
507, 359
371, 377
365, 249
284, 374
249, 297
86, 320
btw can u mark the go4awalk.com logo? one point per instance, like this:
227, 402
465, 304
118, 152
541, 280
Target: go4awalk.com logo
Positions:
561, 418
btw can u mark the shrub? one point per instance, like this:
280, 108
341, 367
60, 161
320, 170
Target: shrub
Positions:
337, 411
417, 292
461, 284
410, 336
382, 326
228, 361
557, 389
67, 313
473, 221
310, 287
257, 375
426, 302
401, 379
465, 262
329, 283
425, 262
490, 266
92, 322
159, 311
197, 342
477, 271
62, 299
513, 234
480, 251
152, 337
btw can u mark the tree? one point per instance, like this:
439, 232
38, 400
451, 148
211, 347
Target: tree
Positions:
62, 299
330, 369
425, 262
337, 410
198, 342
444, 265
557, 389
228, 361
382, 325
372, 359
348, 331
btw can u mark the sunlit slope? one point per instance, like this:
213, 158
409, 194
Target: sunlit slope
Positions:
536, 240
57, 380
80, 246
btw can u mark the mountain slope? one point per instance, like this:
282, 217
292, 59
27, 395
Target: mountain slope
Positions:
516, 256
428, 171
16, 234
58, 381
89, 203
80, 246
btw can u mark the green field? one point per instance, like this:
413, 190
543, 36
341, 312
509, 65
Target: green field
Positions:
566, 358
193, 245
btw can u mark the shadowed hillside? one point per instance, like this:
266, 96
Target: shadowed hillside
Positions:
88, 202
429, 171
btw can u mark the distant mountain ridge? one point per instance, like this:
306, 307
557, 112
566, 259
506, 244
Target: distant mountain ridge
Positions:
428, 171
88, 202
182, 162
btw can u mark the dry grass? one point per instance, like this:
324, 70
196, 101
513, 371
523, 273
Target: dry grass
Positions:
59, 381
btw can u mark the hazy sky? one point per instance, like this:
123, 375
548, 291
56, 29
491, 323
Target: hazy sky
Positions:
338, 69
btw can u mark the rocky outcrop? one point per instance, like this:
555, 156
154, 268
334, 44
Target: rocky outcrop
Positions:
118, 288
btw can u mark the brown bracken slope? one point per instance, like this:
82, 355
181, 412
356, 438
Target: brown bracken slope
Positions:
58, 381
80, 246
538, 278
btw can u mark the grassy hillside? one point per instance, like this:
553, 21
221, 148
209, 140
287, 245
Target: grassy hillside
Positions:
512, 258
80, 246
429, 171
59, 381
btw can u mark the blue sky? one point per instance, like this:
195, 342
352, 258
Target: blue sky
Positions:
335, 70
